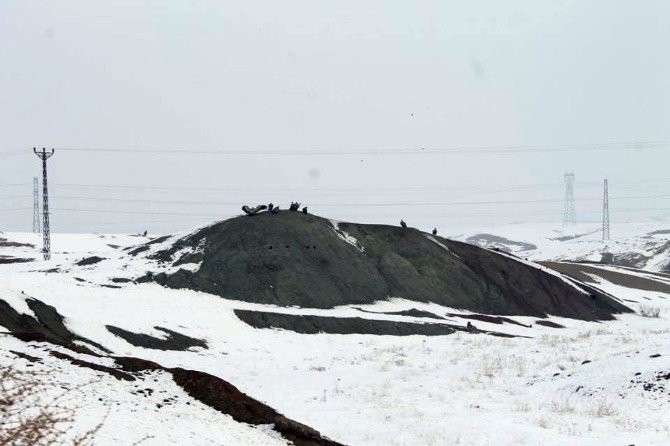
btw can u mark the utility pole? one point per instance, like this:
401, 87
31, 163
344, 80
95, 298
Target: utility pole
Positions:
569, 215
606, 212
36, 206
46, 233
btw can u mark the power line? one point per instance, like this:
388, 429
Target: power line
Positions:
527, 149
107, 211
273, 188
214, 214
341, 204
13, 209
429, 203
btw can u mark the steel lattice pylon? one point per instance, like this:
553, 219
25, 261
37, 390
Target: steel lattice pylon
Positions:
46, 233
569, 214
606, 212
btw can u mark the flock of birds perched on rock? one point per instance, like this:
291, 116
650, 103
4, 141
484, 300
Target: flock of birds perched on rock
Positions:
294, 207
271, 208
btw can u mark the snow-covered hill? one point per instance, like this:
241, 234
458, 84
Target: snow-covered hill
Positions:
551, 381
642, 246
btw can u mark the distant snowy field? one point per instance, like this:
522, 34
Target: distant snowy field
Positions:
647, 244
588, 384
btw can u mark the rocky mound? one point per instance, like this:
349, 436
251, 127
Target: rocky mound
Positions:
294, 259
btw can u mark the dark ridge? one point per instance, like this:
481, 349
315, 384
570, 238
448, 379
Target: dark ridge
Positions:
49, 317
173, 340
228, 399
195, 257
89, 261
549, 324
660, 231
223, 396
4, 243
208, 389
48, 326
308, 324
581, 272
487, 318
140, 249
215, 393
157, 240
120, 280
116, 373
136, 365
134, 250
629, 259
413, 312
496, 240
25, 356
237, 263
526, 290
565, 238
27, 327
9, 259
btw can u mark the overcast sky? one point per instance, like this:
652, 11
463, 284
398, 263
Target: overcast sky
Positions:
560, 78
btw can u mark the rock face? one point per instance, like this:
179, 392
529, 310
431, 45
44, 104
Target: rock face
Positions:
291, 258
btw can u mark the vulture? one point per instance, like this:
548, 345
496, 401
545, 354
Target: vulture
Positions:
294, 206
253, 210
403, 224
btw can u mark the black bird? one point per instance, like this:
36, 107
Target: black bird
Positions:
304, 210
403, 224
275, 210
270, 206
434, 231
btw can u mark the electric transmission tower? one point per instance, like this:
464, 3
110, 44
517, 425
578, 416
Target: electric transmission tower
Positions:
569, 216
606, 212
46, 234
36, 206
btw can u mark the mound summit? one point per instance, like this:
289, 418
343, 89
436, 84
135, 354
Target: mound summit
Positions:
294, 259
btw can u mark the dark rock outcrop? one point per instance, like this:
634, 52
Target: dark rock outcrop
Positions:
172, 341
294, 259
89, 261
308, 324
47, 326
210, 390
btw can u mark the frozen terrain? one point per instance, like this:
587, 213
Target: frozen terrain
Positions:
558, 382
638, 245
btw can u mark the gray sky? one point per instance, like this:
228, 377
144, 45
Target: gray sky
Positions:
333, 77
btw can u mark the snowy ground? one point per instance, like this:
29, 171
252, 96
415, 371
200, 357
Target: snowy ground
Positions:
588, 383
646, 244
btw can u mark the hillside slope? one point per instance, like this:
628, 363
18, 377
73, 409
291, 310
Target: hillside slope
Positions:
378, 383
634, 245
292, 259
